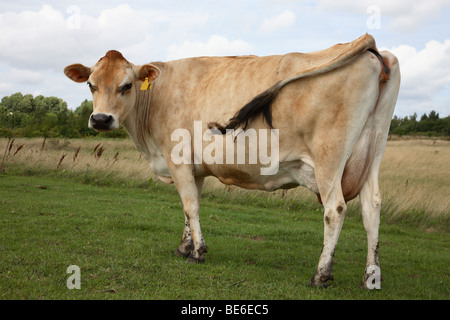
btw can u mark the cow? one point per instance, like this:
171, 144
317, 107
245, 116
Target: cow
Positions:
329, 110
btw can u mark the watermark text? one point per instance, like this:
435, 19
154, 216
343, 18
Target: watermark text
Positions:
74, 281
212, 147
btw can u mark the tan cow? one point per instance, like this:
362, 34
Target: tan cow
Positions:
331, 110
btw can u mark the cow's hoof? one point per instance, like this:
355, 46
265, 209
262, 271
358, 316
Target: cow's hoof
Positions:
178, 253
192, 259
320, 282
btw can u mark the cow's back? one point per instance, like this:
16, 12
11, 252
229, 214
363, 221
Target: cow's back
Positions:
213, 89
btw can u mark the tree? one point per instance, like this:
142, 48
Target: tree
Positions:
26, 104
429, 125
424, 117
82, 114
56, 105
433, 115
11, 103
40, 109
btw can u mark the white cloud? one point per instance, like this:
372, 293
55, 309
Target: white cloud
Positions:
49, 39
27, 36
403, 15
425, 76
25, 76
7, 87
281, 21
36, 93
35, 45
215, 46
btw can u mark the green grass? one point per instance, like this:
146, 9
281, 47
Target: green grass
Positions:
123, 238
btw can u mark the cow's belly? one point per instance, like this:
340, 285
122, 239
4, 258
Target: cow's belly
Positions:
293, 173
290, 174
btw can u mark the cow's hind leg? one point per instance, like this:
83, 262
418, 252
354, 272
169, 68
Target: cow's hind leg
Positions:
370, 194
371, 205
335, 210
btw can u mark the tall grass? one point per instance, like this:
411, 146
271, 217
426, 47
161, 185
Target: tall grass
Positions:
414, 175
415, 179
100, 161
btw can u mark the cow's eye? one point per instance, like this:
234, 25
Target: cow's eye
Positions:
93, 88
126, 87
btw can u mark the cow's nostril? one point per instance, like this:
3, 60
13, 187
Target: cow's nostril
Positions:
109, 120
101, 121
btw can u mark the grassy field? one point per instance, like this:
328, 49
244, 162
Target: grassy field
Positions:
103, 211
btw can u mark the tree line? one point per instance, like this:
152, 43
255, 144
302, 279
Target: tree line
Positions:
28, 116
428, 125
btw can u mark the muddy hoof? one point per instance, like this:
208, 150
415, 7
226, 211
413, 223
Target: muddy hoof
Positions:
192, 259
178, 253
320, 282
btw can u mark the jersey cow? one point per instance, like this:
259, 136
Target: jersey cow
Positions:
323, 117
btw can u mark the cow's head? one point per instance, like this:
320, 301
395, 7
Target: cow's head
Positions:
115, 84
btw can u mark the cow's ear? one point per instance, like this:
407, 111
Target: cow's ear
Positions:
77, 72
148, 71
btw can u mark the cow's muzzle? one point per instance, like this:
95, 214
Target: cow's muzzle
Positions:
102, 121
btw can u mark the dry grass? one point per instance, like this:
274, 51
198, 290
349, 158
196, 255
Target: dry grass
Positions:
107, 158
414, 181
414, 176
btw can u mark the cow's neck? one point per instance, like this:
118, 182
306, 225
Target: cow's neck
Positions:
130, 126
138, 127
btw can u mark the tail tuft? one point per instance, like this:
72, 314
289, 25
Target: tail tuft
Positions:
261, 104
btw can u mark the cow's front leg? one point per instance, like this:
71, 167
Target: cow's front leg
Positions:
192, 244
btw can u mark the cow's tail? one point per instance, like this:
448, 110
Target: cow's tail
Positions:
261, 104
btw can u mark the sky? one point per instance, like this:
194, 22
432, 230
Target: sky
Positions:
39, 38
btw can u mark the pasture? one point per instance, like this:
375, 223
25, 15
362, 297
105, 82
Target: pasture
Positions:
95, 204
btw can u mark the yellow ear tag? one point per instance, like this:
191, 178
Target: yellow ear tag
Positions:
145, 85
